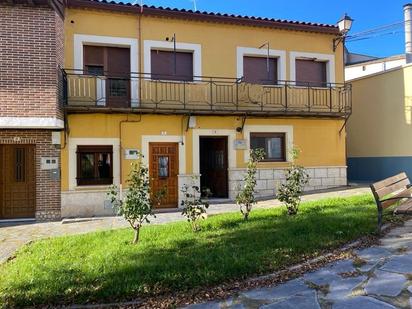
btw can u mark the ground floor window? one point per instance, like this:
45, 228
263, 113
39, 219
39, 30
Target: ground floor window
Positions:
94, 165
272, 143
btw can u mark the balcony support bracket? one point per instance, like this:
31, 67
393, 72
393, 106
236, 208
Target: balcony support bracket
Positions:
240, 129
344, 125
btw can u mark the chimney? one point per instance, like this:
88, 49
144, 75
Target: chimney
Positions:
407, 9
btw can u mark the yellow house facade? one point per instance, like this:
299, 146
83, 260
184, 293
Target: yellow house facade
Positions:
194, 93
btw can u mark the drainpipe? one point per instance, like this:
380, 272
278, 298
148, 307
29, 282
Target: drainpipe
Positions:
407, 9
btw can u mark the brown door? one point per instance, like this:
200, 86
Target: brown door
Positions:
163, 170
214, 165
18, 184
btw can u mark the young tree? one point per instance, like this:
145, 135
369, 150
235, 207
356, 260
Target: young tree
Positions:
194, 208
296, 178
136, 206
245, 199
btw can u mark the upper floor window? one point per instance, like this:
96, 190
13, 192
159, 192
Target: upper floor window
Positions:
169, 65
94, 165
260, 70
273, 145
114, 63
311, 72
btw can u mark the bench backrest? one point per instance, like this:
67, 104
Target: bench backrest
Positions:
389, 185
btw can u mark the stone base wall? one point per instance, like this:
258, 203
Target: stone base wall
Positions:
268, 180
87, 203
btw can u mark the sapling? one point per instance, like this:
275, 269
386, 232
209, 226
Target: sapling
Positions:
136, 207
296, 178
245, 199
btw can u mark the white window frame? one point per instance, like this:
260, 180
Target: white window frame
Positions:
328, 58
261, 52
81, 40
74, 142
196, 49
287, 130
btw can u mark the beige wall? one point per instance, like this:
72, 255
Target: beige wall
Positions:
381, 123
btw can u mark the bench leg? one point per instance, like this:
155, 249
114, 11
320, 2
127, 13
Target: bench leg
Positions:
379, 220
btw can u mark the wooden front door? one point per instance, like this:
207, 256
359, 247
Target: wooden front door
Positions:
214, 166
18, 181
163, 170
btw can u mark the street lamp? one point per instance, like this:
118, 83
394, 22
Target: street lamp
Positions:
344, 25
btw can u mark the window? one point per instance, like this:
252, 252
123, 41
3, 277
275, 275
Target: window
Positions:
168, 65
20, 164
255, 70
272, 143
94, 165
311, 73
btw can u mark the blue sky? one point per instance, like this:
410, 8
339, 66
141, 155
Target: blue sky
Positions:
367, 14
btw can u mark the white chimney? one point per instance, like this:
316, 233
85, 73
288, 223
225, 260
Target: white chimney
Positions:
407, 9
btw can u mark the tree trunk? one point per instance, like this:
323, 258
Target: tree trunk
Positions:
136, 235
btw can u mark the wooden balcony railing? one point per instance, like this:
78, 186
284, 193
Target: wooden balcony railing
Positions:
202, 95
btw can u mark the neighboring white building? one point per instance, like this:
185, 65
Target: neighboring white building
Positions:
358, 65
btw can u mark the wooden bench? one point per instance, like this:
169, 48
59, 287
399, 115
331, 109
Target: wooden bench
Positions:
392, 190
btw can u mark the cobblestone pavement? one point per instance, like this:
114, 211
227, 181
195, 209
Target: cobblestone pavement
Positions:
14, 235
381, 277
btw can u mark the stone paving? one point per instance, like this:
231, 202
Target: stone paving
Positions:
14, 235
380, 277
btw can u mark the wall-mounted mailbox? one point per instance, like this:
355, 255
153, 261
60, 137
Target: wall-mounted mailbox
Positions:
240, 144
49, 163
131, 154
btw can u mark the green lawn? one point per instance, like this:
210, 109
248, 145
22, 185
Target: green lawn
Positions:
104, 266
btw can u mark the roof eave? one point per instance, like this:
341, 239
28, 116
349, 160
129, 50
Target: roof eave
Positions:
160, 12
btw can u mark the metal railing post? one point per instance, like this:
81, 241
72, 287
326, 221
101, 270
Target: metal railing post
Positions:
330, 97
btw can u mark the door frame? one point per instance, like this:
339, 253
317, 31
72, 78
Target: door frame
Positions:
176, 144
226, 139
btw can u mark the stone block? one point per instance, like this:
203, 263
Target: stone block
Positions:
279, 174
266, 174
328, 182
334, 172
321, 173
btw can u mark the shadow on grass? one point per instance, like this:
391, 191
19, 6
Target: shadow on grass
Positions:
227, 248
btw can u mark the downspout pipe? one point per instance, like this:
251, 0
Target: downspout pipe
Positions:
407, 9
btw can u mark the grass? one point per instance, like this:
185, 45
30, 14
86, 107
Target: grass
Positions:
104, 266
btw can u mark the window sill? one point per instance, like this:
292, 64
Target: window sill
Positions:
92, 188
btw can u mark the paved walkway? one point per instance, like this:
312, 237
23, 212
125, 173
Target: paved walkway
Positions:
14, 235
380, 278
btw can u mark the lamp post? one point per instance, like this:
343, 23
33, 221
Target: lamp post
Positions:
344, 25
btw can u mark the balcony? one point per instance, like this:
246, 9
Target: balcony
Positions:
138, 92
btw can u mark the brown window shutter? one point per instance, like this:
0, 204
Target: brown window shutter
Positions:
255, 70
93, 55
310, 72
163, 65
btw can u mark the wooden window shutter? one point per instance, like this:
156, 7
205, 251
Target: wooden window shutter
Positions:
255, 70
310, 72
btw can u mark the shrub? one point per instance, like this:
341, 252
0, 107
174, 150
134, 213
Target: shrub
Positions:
136, 206
296, 178
246, 197
194, 208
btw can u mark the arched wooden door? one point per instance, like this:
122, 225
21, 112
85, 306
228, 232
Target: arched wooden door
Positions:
163, 171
